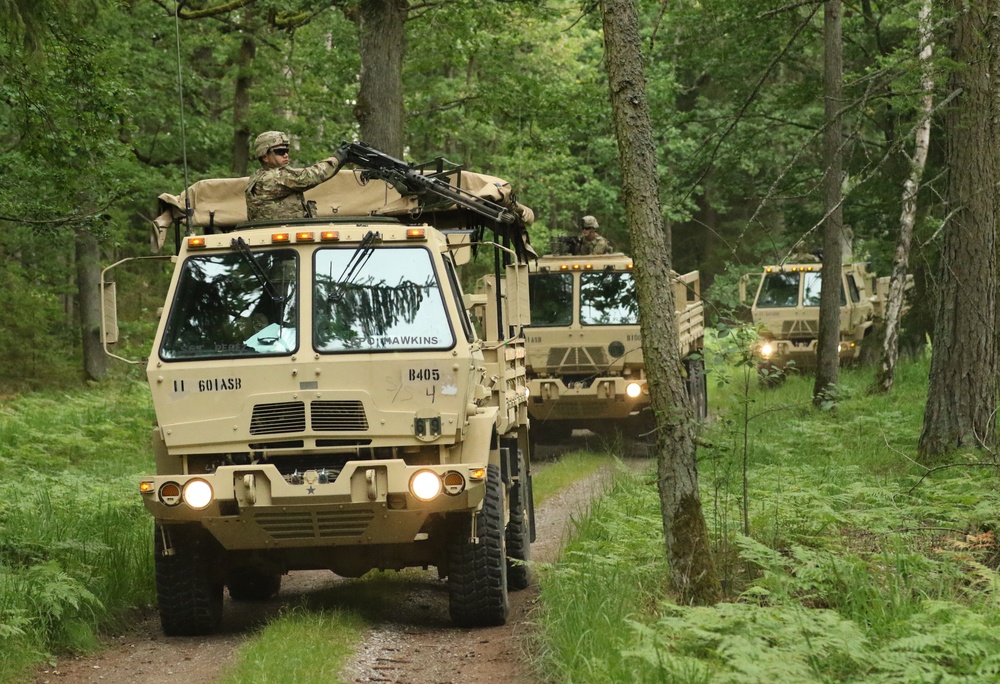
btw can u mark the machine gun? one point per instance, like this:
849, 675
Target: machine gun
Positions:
411, 179
566, 244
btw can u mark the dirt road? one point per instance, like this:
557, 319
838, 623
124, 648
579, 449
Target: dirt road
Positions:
416, 644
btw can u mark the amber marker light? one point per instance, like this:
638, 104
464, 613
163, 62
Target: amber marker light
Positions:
329, 235
576, 267
146, 486
305, 237
563, 267
279, 237
196, 243
414, 233
629, 267
588, 267
477, 474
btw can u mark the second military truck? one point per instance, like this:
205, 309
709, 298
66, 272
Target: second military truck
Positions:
585, 364
323, 400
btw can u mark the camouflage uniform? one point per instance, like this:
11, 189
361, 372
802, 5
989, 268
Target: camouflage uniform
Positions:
275, 192
598, 244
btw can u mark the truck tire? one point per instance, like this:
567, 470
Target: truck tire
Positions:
253, 584
477, 576
519, 530
187, 591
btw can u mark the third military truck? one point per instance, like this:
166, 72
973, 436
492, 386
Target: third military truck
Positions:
786, 308
323, 399
584, 347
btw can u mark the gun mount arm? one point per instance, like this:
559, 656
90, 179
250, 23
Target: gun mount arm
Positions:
433, 187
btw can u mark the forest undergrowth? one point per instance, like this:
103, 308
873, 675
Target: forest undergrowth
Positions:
859, 564
74, 546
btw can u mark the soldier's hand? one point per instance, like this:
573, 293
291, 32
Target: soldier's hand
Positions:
342, 153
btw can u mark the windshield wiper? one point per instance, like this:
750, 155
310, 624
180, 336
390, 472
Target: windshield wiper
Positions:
357, 262
265, 282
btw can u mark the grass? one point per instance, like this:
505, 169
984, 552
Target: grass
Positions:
75, 541
550, 477
75, 548
855, 568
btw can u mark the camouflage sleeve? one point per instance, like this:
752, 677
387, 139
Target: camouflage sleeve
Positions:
309, 177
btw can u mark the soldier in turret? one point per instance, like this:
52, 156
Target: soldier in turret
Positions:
274, 191
593, 242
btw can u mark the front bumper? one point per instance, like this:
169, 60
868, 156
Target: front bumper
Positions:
369, 502
550, 399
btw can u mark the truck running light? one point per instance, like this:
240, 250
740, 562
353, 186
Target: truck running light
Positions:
305, 237
414, 233
197, 494
196, 243
633, 389
279, 237
329, 235
145, 487
425, 485
477, 474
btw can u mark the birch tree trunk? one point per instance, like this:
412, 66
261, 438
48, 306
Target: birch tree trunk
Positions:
828, 357
692, 570
962, 394
911, 187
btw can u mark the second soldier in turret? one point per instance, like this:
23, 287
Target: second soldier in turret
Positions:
593, 242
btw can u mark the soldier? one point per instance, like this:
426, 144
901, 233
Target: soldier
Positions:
274, 191
593, 242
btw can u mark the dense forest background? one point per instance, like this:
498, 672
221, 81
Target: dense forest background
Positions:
106, 104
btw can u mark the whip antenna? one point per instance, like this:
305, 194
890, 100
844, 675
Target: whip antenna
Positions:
180, 96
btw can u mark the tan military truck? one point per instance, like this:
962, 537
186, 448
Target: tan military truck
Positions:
323, 401
786, 308
585, 365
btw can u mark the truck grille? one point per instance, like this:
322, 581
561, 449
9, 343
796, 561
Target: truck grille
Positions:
338, 416
577, 359
269, 419
299, 525
326, 416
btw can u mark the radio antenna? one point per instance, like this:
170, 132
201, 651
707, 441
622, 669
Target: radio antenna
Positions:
180, 96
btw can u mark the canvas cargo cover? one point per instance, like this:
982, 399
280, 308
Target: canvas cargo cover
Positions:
221, 203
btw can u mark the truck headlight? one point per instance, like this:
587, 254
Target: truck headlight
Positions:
197, 494
633, 389
425, 485
766, 350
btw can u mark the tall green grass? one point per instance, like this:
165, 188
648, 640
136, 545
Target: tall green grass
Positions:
855, 568
74, 539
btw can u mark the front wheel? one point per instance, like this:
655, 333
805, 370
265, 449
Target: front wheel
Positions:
188, 588
477, 575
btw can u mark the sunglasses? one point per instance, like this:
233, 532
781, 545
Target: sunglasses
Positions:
281, 151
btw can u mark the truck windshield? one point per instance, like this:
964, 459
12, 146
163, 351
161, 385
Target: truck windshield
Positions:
608, 298
221, 308
811, 288
551, 296
779, 290
390, 301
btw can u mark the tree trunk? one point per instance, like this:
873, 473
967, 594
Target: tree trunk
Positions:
897, 284
961, 398
241, 104
828, 358
88, 276
379, 109
692, 571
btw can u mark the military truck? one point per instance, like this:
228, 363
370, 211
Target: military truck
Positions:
323, 401
585, 364
786, 308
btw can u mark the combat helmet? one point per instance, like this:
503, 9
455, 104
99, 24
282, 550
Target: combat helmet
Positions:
267, 140
588, 222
